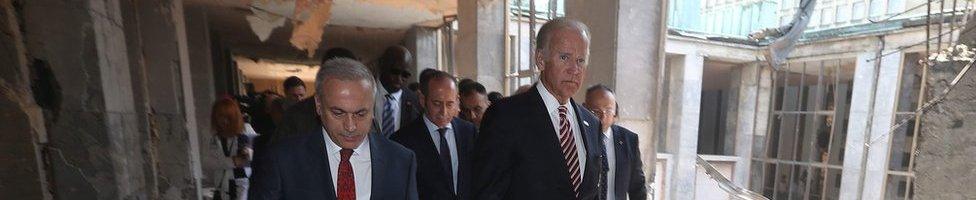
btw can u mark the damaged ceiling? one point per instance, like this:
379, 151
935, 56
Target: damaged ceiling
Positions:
242, 24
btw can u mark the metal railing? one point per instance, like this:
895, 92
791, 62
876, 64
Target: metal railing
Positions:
734, 191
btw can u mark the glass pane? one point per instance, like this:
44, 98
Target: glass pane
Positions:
787, 137
769, 180
817, 183
838, 141
901, 144
798, 182
832, 184
755, 170
911, 82
822, 138
783, 172
776, 129
896, 187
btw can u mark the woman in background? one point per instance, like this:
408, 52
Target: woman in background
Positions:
234, 138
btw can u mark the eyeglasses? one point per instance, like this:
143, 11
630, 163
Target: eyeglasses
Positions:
602, 111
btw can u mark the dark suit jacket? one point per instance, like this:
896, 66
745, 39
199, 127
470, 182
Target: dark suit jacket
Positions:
517, 155
629, 175
409, 107
297, 167
300, 118
432, 182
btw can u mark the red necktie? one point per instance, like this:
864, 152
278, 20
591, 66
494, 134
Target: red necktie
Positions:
568, 144
346, 184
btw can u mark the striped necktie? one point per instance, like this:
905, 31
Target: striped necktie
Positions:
568, 144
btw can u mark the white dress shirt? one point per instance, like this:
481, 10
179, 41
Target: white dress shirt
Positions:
611, 161
361, 167
396, 108
552, 107
451, 145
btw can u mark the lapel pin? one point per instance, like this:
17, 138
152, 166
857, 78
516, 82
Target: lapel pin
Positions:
586, 123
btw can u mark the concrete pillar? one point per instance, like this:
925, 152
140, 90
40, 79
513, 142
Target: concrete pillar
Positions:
91, 151
480, 52
169, 93
201, 66
21, 121
684, 103
872, 114
627, 54
751, 107
422, 42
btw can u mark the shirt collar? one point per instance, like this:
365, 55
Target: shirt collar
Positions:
433, 127
552, 105
608, 133
333, 148
396, 95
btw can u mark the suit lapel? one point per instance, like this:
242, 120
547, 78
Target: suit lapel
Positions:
379, 169
463, 143
319, 151
622, 161
594, 155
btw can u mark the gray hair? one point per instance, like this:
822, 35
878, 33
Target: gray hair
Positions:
342, 69
545, 33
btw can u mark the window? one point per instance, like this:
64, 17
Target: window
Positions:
901, 162
801, 157
858, 10
877, 8
842, 15
827, 16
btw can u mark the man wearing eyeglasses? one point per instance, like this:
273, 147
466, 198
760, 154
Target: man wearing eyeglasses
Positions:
623, 166
394, 105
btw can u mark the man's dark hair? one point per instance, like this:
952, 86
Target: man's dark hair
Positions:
601, 87
292, 82
426, 73
470, 87
415, 87
495, 96
437, 74
338, 52
394, 57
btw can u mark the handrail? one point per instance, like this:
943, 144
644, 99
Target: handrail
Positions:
735, 192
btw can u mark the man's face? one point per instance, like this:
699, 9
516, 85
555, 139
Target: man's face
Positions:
295, 93
393, 77
604, 105
442, 102
346, 108
563, 65
473, 107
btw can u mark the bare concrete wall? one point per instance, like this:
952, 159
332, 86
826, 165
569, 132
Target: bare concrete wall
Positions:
91, 152
944, 166
21, 120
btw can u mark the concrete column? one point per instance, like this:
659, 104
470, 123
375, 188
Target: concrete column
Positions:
22, 120
169, 90
684, 103
480, 52
92, 151
422, 42
872, 114
752, 94
201, 66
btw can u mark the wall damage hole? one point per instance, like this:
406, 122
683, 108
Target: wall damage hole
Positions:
46, 90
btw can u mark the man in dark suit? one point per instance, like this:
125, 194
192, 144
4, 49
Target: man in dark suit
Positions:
541, 144
441, 141
394, 105
625, 176
343, 159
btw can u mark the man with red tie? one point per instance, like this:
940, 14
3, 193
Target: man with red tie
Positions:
541, 144
345, 159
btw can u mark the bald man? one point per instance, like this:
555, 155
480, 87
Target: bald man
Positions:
625, 177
